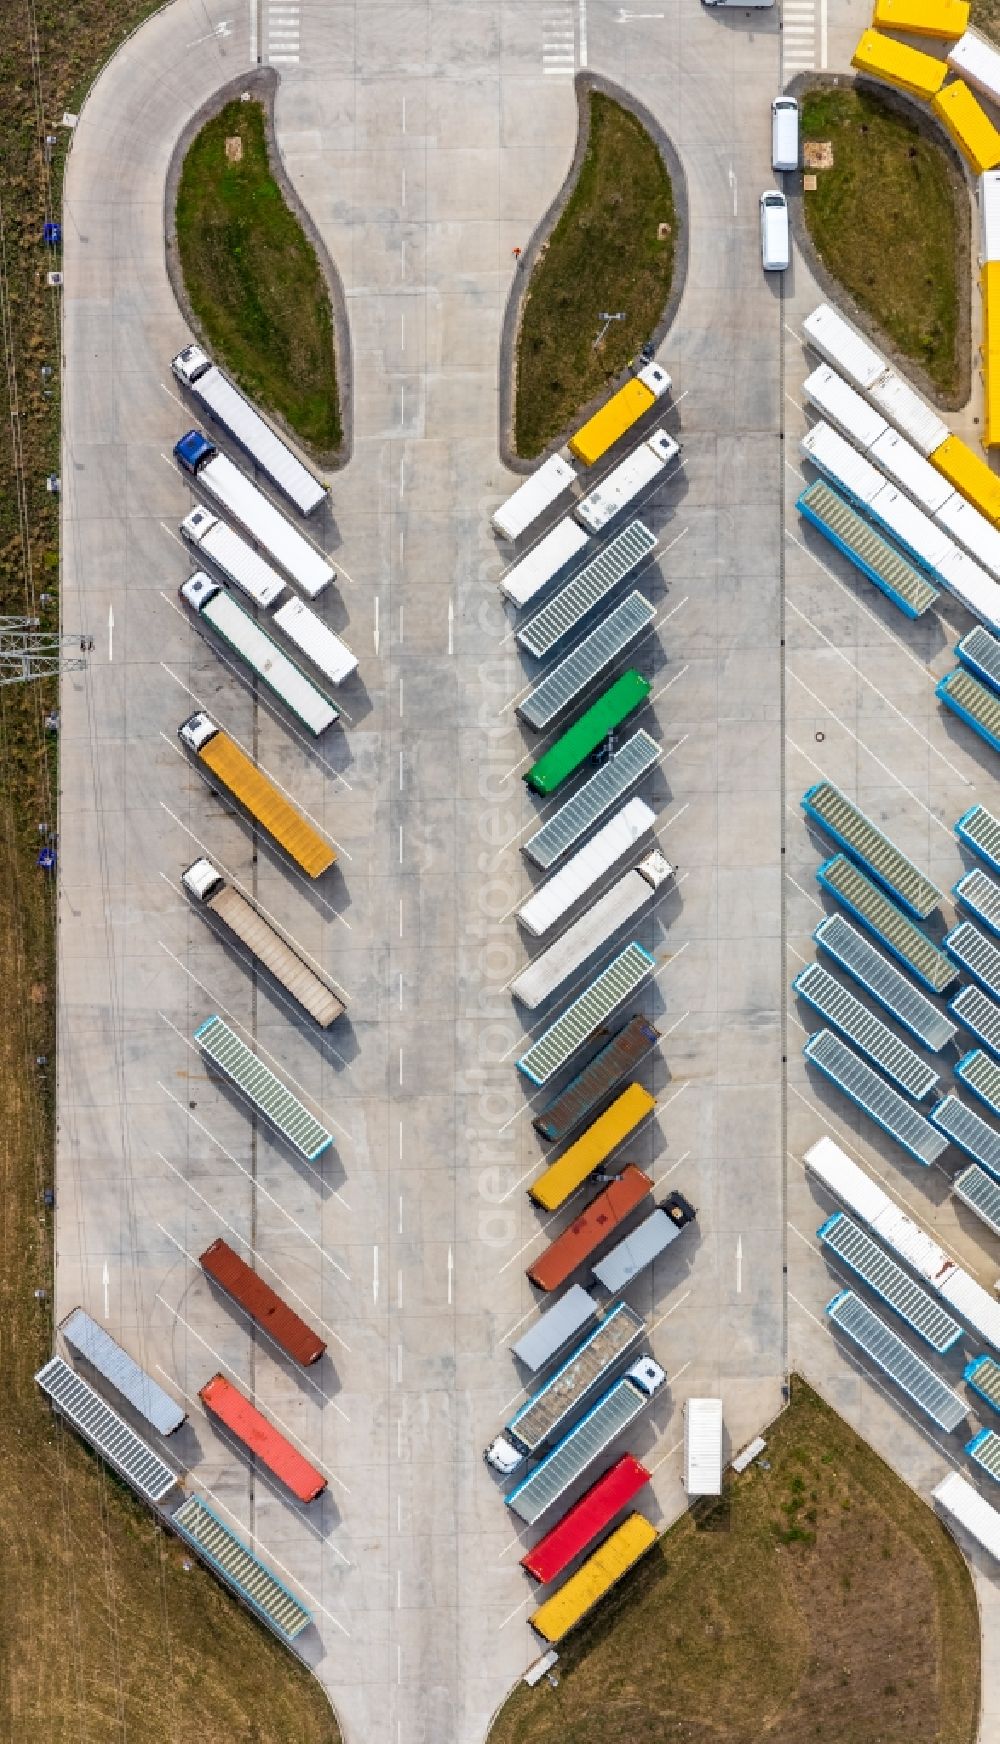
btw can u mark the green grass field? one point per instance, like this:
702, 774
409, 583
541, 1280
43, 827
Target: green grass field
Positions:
819, 1602
884, 222
604, 254
253, 278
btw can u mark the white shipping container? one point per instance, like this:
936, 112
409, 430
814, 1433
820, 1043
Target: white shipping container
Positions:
841, 463
846, 1180
229, 486
972, 531
911, 415
235, 413
963, 1504
703, 1447
588, 864
901, 463
843, 407
534, 496
318, 643
978, 592
106, 1355
547, 972
624, 482
989, 216
544, 562
977, 62
911, 528
976, 1306
842, 345
271, 664
237, 560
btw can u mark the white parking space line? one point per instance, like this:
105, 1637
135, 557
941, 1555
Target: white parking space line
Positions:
868, 752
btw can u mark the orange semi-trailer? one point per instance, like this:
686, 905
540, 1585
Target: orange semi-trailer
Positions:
224, 1401
236, 772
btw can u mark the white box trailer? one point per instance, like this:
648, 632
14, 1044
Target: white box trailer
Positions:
901, 463
269, 662
841, 345
554, 1329
703, 1447
97, 1347
835, 458
624, 482
240, 497
243, 921
963, 1504
233, 557
972, 531
553, 553
843, 407
547, 972
909, 414
644, 1243
976, 590
224, 402
989, 216
590, 863
977, 62
316, 640
534, 496
923, 538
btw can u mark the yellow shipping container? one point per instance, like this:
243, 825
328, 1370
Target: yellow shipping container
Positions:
963, 116
991, 402
597, 435
957, 462
941, 18
989, 284
898, 64
564, 1176
276, 814
581, 1592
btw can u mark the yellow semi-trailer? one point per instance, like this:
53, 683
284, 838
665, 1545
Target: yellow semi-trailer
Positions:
235, 771
617, 416
592, 1148
943, 19
970, 475
964, 118
627, 1544
908, 68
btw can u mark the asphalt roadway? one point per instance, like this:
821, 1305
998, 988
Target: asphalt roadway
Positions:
427, 141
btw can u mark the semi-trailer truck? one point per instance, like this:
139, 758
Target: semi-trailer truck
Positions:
265, 1307
265, 659
624, 483
316, 641
642, 1245
586, 867
230, 1407
600, 1219
217, 395
548, 1411
553, 554
97, 1347
239, 497
243, 921
593, 1435
626, 898
592, 730
618, 414
232, 769
233, 557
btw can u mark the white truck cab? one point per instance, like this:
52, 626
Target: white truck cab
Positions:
201, 879
190, 363
196, 731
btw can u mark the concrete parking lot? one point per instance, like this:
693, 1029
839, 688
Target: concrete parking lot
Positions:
427, 141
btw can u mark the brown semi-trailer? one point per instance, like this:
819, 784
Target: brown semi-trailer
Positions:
273, 1315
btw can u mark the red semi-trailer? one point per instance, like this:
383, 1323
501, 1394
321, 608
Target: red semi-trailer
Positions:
577, 1530
224, 1401
247, 1288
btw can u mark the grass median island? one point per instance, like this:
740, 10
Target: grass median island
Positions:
884, 221
820, 1603
253, 279
605, 253
104, 1637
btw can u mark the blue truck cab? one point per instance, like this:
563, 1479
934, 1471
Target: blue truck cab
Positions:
192, 451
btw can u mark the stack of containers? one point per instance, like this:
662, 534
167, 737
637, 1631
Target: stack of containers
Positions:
989, 245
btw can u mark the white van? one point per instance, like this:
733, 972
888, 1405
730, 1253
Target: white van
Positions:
784, 134
774, 247
743, 5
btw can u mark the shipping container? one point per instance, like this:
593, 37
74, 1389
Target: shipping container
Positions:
553, 899
907, 68
963, 1504
901, 463
977, 62
969, 473
893, 990
703, 1447
944, 19
576, 672
592, 1149
233, 557
582, 1523
226, 1403
989, 216
269, 663
588, 591
625, 900
834, 1002
583, 1093
910, 415
617, 416
107, 1433
593, 728
628, 480
894, 1357
979, 1014
241, 1570
842, 346
869, 551
555, 1329
234, 771
841, 406
924, 539
243, 921
577, 1597
984, 1451
537, 493
870, 1092
834, 457
263, 1089
594, 1225
617, 983
263, 1305
549, 1410
228, 486
847, 824
553, 554
972, 702
963, 117
980, 1193
584, 808
971, 585
97, 1347
571, 1457
883, 917
316, 640
644, 1244
854, 1248
983, 1376
979, 830
223, 402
